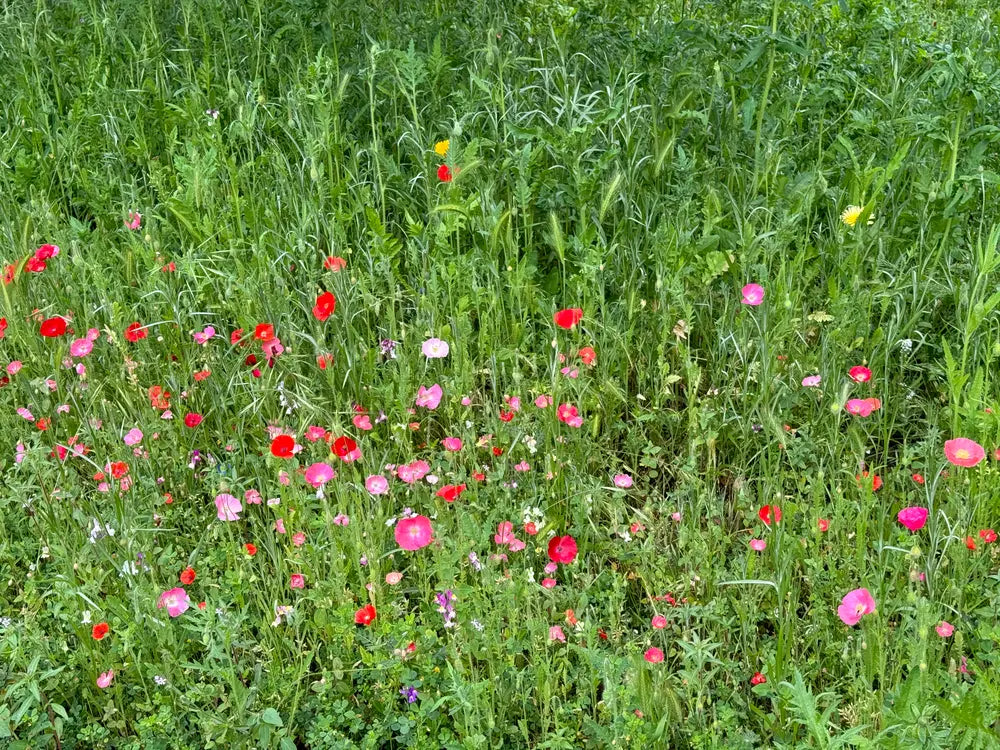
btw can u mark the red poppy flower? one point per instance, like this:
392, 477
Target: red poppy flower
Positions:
334, 263
235, 336
988, 535
918, 478
758, 679
444, 174
202, 375
135, 331
263, 332
506, 416
365, 615
187, 576
3, 327
587, 355
46, 251
99, 631
119, 469
769, 514
250, 548
282, 446
343, 446
568, 318
326, 303
860, 374
324, 360
823, 524
970, 543
43, 423
35, 264
159, 398
562, 549
192, 419
450, 492
876, 480
53, 327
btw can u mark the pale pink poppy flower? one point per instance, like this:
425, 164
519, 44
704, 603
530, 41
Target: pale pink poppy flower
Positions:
859, 407
377, 484
452, 444
466, 401
14, 367
513, 402
103, 487
913, 517
81, 369
522, 466
175, 600
516, 545
341, 520
20, 453
570, 372
319, 474
753, 294
393, 578
758, 545
622, 481
811, 381
854, 606
228, 507
279, 525
202, 337
549, 583
252, 496
62, 409
81, 347
543, 401
284, 477
315, 433
429, 398
105, 679
414, 533
299, 538
659, 622
25, 414
93, 334
676, 516
505, 533
556, 634
362, 421
272, 347
133, 436
944, 629
963, 452
134, 220
435, 349
297, 581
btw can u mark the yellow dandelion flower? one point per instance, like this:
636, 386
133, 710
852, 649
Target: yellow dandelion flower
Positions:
851, 214
441, 148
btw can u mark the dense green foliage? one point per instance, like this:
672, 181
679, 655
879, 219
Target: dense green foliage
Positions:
642, 161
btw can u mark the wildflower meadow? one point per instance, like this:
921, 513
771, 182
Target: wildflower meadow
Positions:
531, 374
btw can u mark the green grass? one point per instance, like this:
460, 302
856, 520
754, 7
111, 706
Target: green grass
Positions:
642, 161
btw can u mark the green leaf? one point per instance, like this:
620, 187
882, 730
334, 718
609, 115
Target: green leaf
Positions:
272, 717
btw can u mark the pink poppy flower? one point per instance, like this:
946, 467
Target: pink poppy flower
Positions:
435, 349
944, 629
299, 538
854, 606
811, 381
653, 655
429, 398
228, 507
81, 347
414, 533
105, 679
549, 583
134, 220
963, 452
319, 474
452, 444
315, 433
659, 622
623, 481
175, 600
133, 436
362, 421
505, 533
913, 517
543, 401
297, 581
202, 337
859, 374
516, 545
393, 578
14, 367
758, 545
279, 524
859, 407
377, 484
753, 294
556, 634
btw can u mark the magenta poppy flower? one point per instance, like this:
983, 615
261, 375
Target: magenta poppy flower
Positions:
175, 600
944, 629
622, 481
319, 474
758, 545
429, 398
854, 606
753, 294
452, 444
297, 581
859, 407
377, 484
228, 507
81, 347
653, 655
105, 679
964, 452
414, 533
913, 517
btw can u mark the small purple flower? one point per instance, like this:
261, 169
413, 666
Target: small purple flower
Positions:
363, 560
446, 607
410, 693
387, 347
474, 559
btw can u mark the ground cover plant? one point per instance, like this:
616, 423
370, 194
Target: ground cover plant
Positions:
528, 374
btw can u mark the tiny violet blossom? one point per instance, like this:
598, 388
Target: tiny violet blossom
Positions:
410, 693
446, 607
435, 349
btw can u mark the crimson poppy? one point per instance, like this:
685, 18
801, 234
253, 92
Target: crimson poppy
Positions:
769, 514
562, 549
192, 419
188, 576
250, 548
283, 446
450, 492
263, 332
344, 446
53, 327
326, 303
758, 679
135, 331
568, 318
3, 327
365, 615
444, 173
99, 631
